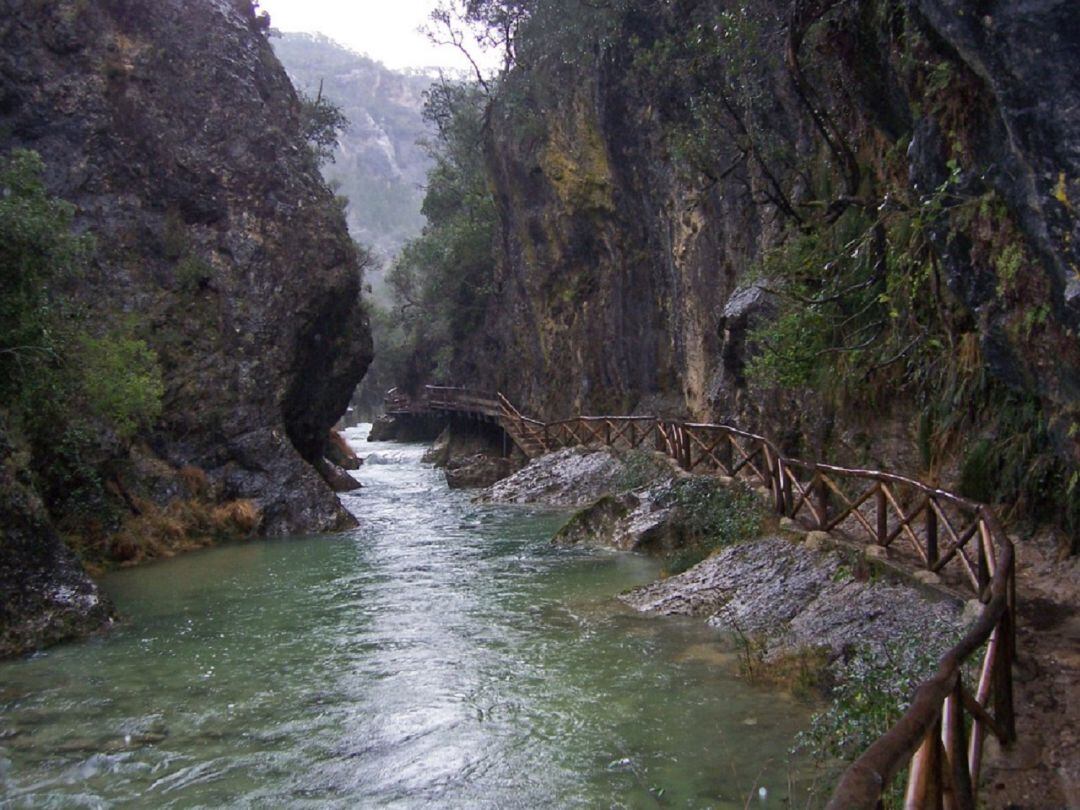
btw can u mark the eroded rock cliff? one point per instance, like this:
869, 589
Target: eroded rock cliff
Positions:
175, 133
667, 181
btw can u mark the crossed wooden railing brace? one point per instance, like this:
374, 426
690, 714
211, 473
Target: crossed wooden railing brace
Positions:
941, 735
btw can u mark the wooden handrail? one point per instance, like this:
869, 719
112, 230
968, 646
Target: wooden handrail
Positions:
933, 736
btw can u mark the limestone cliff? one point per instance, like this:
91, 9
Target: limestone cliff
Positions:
647, 181
175, 133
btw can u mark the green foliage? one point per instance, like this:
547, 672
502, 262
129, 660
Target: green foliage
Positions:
876, 689
70, 472
640, 468
321, 122
122, 382
37, 249
192, 273
713, 516
71, 394
791, 348
443, 280
978, 473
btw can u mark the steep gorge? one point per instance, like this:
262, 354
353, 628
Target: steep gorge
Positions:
175, 134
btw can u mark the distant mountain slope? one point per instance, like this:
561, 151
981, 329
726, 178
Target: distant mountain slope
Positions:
378, 165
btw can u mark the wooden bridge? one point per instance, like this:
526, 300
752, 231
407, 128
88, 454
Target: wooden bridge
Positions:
941, 735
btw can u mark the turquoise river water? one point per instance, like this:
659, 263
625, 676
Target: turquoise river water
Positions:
443, 654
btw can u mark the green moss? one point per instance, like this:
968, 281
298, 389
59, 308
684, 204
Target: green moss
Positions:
713, 516
575, 160
192, 273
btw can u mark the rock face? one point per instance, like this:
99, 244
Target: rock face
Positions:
636, 521
175, 132
479, 470
379, 163
471, 453
47, 597
626, 277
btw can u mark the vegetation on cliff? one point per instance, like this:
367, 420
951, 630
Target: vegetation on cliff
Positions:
849, 162
77, 396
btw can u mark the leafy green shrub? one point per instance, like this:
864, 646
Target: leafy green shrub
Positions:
713, 516
36, 247
122, 382
320, 122
640, 468
876, 689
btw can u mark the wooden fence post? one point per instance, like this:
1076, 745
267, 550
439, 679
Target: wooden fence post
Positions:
882, 515
931, 534
956, 750
983, 564
785, 486
1003, 680
823, 503
924, 780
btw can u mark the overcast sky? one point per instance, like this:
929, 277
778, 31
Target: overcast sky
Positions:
383, 29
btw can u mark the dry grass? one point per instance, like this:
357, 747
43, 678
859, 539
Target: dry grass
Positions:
237, 517
195, 480
182, 525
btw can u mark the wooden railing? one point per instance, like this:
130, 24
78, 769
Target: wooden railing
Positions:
942, 733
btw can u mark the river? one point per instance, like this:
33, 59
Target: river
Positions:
443, 654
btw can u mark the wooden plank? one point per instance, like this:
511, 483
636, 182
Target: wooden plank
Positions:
1002, 692
852, 508
955, 547
805, 496
979, 713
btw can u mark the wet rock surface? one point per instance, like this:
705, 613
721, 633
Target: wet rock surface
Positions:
793, 598
406, 428
45, 596
480, 470
641, 521
571, 477
176, 134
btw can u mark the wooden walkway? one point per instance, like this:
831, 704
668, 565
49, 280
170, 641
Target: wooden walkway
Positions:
941, 736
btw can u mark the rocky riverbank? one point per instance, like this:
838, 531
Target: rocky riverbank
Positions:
790, 596
787, 590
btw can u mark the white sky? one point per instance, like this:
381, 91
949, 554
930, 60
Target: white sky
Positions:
385, 30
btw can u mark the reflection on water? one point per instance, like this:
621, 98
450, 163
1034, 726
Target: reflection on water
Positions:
442, 654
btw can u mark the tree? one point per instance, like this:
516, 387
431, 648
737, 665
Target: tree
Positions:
321, 122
